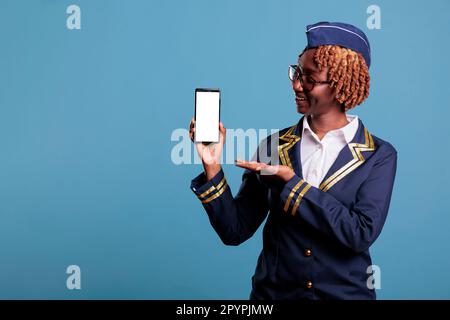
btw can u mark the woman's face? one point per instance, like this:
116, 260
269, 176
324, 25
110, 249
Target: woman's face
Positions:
321, 98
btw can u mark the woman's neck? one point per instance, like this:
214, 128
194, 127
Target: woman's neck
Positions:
323, 123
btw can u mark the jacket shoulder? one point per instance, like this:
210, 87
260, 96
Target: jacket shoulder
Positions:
383, 147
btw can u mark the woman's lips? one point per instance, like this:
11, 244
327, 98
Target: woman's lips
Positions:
301, 100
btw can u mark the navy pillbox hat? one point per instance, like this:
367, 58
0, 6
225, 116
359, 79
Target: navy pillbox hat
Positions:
341, 34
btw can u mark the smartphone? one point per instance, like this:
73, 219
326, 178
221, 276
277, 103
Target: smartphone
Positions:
207, 115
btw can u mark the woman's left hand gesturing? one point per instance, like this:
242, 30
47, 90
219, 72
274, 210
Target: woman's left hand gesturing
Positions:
279, 173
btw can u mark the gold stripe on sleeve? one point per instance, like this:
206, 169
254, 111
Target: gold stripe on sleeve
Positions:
217, 194
207, 192
299, 198
291, 194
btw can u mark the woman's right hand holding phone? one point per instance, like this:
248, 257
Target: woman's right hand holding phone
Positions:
209, 153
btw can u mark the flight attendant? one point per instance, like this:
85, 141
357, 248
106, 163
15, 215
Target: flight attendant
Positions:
327, 195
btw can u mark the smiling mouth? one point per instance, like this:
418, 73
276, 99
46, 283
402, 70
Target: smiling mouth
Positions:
300, 98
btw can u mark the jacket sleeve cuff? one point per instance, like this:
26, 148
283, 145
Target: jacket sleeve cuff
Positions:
292, 194
207, 191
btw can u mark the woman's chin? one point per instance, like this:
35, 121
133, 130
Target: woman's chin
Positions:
302, 109
302, 106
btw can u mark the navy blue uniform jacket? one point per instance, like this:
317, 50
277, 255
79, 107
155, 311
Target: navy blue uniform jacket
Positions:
316, 240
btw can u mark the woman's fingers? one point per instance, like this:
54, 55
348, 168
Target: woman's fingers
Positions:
223, 133
251, 165
192, 129
191, 134
222, 128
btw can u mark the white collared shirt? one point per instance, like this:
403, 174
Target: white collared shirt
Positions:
318, 155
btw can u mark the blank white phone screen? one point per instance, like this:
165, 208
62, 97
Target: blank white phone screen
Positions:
207, 116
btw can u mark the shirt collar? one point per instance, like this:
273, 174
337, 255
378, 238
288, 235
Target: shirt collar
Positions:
349, 130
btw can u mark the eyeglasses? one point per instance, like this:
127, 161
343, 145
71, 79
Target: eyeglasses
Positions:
307, 82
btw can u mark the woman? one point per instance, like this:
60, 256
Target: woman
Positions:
329, 196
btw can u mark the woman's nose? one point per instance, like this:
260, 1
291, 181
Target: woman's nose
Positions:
297, 86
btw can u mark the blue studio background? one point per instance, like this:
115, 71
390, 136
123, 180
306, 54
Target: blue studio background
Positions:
86, 118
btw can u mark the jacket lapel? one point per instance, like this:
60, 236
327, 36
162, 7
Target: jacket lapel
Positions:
289, 148
350, 157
